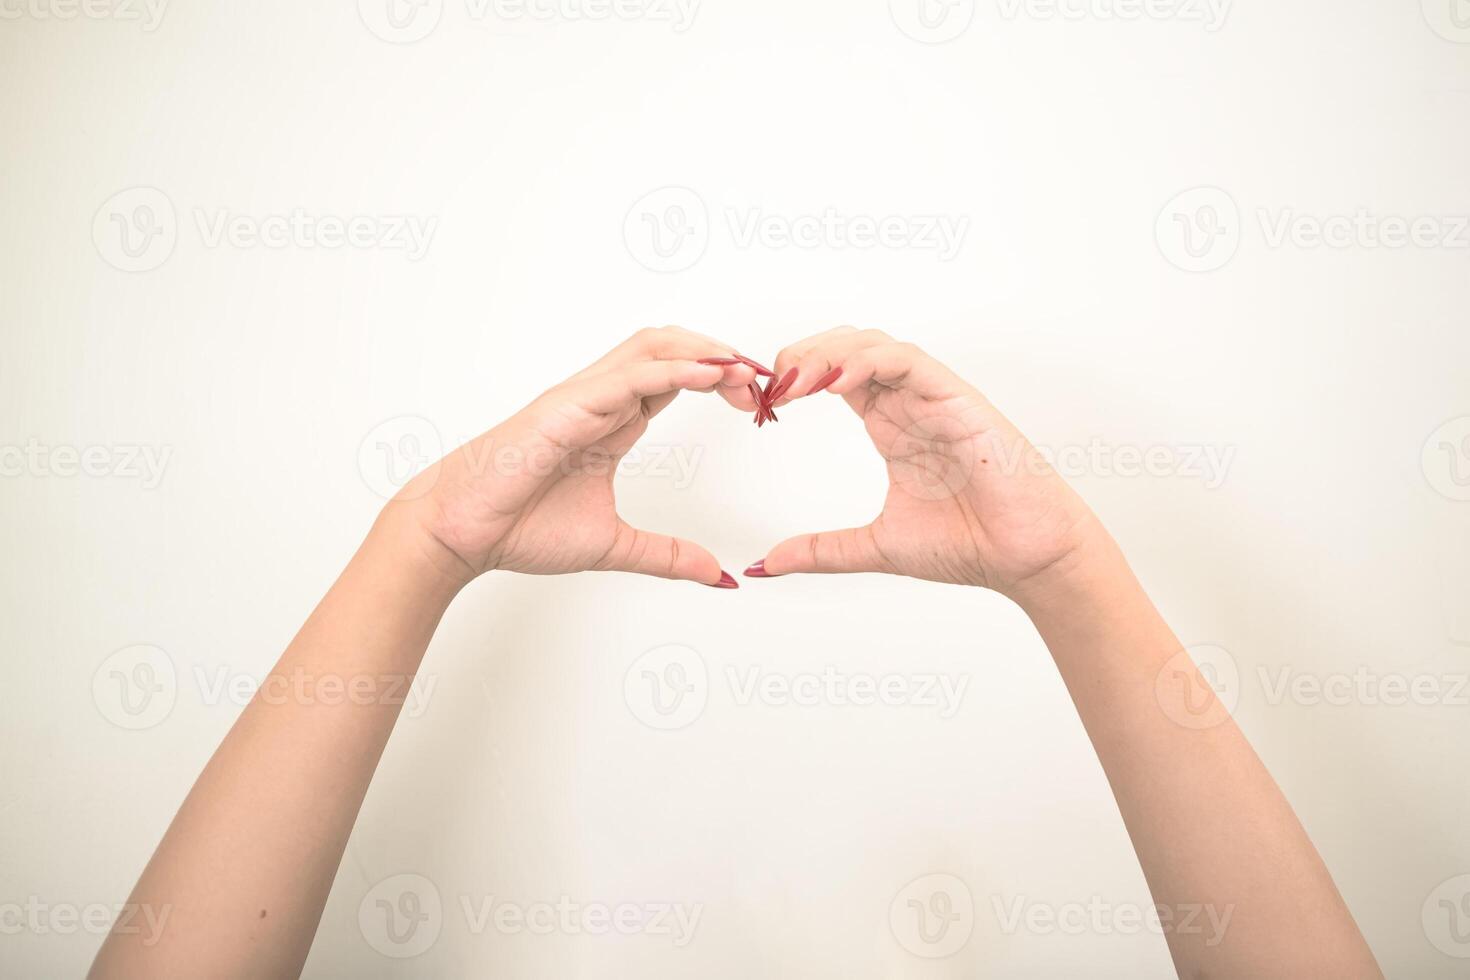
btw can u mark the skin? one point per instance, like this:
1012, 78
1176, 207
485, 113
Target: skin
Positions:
245, 868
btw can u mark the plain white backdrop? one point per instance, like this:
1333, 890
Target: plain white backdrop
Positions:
259, 260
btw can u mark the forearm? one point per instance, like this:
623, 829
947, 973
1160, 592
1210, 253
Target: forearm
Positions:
1214, 834
244, 870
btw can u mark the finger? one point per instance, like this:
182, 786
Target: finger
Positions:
896, 365
816, 363
616, 390
830, 552
794, 352
645, 553
667, 343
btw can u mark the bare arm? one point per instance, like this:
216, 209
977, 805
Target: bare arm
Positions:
970, 501
242, 875
1242, 890
244, 870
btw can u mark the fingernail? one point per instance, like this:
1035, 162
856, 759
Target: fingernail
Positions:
758, 570
760, 369
828, 379
784, 385
720, 361
727, 581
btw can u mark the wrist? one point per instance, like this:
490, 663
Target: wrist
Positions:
404, 537
1091, 571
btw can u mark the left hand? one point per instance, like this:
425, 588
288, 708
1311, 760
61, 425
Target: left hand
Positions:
535, 493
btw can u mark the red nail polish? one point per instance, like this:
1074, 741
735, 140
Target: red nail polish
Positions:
727, 581
827, 380
784, 385
719, 361
760, 369
758, 570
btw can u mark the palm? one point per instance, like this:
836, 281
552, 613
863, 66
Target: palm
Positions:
964, 504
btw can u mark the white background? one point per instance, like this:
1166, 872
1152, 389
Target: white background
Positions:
1338, 540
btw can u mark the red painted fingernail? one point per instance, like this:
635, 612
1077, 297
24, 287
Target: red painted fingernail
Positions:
727, 581
784, 385
758, 570
828, 379
720, 361
771, 414
760, 369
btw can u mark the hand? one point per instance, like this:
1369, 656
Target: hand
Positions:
969, 501
535, 494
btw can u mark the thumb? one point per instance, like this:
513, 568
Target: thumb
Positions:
850, 550
645, 553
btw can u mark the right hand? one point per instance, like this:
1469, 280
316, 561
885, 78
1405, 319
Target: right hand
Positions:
969, 500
